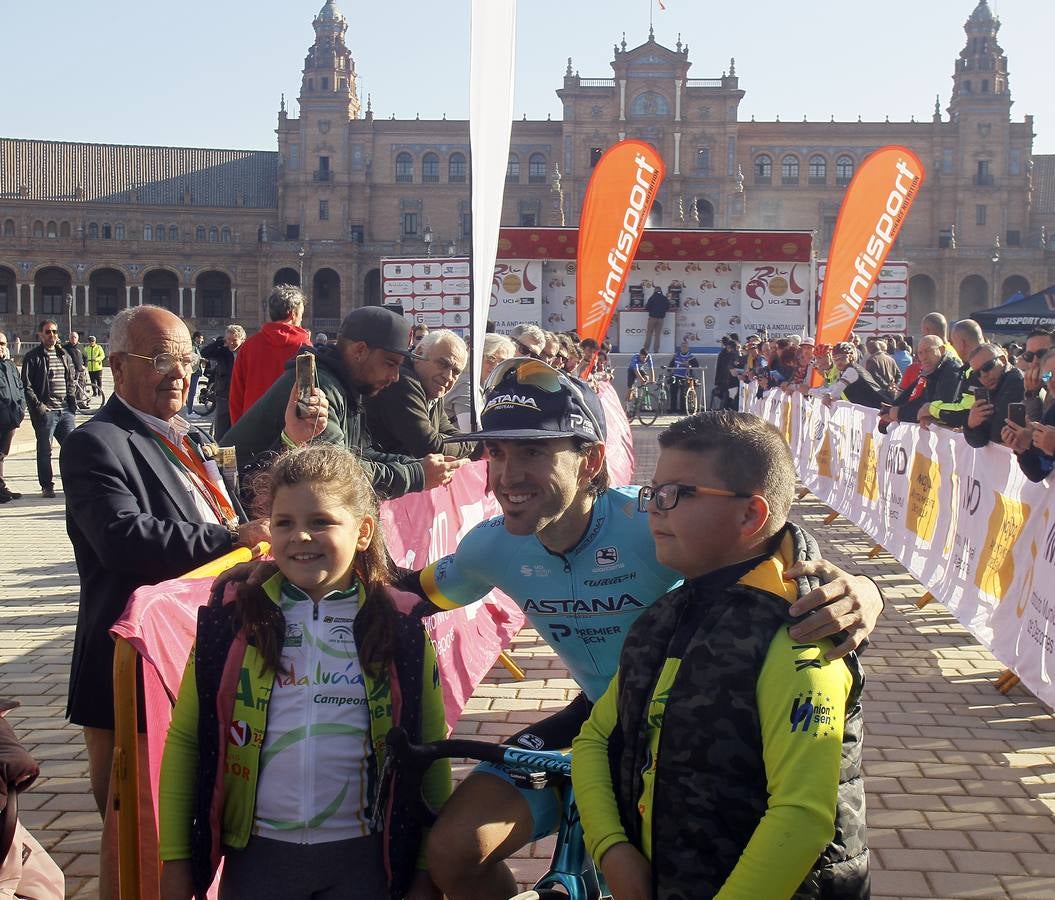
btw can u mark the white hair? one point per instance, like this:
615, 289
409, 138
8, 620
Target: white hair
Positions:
494, 342
120, 342
237, 330
532, 332
441, 336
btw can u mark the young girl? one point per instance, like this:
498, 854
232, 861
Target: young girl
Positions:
278, 736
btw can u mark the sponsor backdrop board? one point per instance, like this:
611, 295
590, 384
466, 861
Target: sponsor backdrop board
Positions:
435, 292
886, 309
714, 298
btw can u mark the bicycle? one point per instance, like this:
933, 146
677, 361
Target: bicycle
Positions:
646, 401
571, 874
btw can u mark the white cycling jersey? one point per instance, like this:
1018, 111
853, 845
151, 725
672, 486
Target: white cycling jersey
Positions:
315, 756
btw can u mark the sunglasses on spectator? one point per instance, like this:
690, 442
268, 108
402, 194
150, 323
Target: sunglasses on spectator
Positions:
524, 348
666, 496
50, 331
989, 366
165, 363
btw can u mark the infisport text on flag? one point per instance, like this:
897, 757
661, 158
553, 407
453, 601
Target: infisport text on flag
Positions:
618, 200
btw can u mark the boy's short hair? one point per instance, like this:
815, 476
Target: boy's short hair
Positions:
748, 455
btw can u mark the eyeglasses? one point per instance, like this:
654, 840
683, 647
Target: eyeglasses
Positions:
165, 363
667, 495
444, 365
536, 373
524, 348
50, 331
989, 366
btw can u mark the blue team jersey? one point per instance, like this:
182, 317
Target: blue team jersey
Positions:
582, 602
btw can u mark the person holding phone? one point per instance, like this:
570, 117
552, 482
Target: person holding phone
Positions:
1034, 442
1003, 385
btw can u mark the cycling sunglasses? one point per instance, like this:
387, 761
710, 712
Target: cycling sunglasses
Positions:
537, 374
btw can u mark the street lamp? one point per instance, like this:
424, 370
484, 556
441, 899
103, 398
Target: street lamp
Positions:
68, 301
995, 257
426, 236
300, 267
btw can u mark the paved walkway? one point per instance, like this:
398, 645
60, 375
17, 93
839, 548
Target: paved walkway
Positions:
961, 780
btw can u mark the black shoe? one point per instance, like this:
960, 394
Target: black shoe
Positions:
6, 495
49, 493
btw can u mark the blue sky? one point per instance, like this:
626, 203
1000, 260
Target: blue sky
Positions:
209, 73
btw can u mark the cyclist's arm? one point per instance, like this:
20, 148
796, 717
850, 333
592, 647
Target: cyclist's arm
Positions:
802, 760
465, 575
436, 783
179, 766
592, 778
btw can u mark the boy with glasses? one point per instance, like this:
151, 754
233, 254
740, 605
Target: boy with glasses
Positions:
725, 756
49, 380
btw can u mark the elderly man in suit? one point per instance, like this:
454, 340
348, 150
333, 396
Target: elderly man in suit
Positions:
144, 503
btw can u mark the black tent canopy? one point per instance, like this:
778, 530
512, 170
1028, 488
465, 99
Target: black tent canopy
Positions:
1021, 315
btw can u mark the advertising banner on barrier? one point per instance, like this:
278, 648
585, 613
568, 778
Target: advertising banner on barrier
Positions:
618, 200
966, 523
872, 213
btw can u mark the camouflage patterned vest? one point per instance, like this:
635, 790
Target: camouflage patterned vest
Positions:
711, 738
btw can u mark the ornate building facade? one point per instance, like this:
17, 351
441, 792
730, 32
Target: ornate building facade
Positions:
87, 229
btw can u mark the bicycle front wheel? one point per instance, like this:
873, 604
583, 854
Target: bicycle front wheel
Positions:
692, 401
648, 408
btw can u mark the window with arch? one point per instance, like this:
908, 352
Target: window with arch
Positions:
9, 227
173, 232
64, 229
148, 233
93, 230
844, 170
456, 168
430, 168
404, 167
513, 169
225, 235
789, 170
199, 233
537, 169
38, 229
53, 230
159, 232
763, 169
106, 231
214, 234
818, 171
119, 231
650, 103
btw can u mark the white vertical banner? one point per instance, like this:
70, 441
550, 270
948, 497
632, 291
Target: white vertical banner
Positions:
492, 53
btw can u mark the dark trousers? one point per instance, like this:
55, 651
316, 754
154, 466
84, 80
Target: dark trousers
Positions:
58, 424
192, 396
339, 870
221, 422
96, 379
677, 395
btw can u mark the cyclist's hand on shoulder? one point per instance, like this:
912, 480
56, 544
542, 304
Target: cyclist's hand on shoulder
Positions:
843, 603
628, 873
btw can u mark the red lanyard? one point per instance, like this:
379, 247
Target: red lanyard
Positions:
199, 477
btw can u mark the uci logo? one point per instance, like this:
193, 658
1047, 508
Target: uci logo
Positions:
972, 495
897, 461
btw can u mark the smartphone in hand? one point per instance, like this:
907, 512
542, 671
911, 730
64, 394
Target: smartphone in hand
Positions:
1016, 412
981, 395
305, 382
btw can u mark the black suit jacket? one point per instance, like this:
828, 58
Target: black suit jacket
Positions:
131, 522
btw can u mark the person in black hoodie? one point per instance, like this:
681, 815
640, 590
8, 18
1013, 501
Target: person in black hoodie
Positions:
939, 380
986, 418
221, 356
855, 382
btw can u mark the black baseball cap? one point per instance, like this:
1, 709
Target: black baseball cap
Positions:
378, 327
528, 400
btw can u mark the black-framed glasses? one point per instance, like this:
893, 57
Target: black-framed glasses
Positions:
666, 496
989, 366
50, 331
165, 363
525, 349
1030, 355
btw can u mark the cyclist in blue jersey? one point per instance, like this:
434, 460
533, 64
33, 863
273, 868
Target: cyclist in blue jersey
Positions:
577, 556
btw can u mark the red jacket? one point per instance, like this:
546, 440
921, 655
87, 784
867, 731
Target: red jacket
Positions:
259, 362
